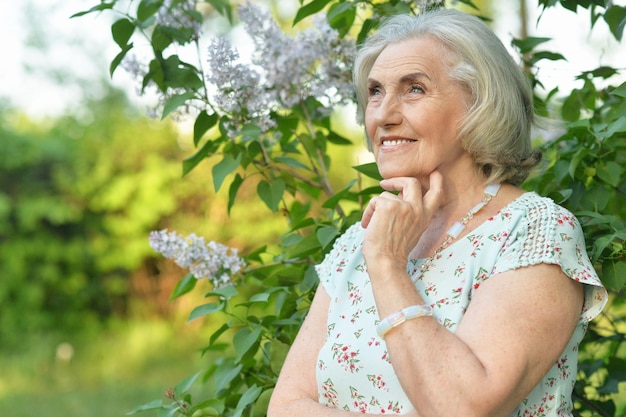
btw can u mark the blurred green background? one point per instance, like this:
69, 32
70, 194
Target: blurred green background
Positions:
86, 328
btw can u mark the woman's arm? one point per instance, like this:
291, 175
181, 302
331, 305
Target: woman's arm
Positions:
515, 328
513, 332
295, 393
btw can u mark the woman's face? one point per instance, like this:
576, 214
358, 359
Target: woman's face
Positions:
413, 111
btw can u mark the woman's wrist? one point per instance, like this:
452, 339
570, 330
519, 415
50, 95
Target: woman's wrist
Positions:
385, 269
401, 316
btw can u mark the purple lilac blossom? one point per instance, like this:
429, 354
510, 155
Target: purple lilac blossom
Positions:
282, 72
211, 260
179, 14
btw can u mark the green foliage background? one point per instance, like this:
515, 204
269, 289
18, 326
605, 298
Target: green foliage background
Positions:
79, 196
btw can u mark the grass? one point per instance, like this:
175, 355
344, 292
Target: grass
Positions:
117, 370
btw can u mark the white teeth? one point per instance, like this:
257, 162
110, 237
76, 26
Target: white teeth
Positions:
395, 142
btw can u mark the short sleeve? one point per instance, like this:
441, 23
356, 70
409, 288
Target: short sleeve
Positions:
336, 260
549, 233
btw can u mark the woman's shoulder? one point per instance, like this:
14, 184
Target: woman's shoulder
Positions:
546, 232
541, 212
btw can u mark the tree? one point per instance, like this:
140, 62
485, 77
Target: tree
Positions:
79, 194
269, 123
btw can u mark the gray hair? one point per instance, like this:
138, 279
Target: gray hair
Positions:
496, 128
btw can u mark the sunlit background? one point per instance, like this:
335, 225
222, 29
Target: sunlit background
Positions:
49, 59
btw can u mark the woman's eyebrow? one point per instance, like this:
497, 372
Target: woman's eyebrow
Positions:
405, 79
408, 78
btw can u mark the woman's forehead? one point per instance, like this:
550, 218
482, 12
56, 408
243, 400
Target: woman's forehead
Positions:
420, 56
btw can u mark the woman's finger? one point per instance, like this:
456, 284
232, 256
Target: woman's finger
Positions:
408, 188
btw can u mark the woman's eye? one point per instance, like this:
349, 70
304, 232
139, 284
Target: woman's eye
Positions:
417, 89
374, 91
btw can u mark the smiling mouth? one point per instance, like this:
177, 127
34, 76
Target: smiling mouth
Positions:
394, 142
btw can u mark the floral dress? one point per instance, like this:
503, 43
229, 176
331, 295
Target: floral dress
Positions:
354, 372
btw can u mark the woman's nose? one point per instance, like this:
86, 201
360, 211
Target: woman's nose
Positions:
388, 112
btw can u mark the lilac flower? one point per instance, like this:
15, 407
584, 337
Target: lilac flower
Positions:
282, 72
238, 88
181, 15
316, 63
216, 262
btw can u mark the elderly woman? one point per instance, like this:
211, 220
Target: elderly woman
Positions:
458, 294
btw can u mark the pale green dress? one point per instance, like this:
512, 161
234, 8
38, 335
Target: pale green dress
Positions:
354, 371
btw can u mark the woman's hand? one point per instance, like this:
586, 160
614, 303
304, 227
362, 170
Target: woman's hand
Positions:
395, 222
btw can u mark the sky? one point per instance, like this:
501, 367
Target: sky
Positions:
49, 58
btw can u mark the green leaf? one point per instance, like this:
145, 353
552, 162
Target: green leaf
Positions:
153, 405
369, 170
278, 353
550, 56
210, 406
155, 73
271, 193
333, 201
207, 149
147, 8
160, 39
175, 102
580, 154
614, 274
260, 297
205, 309
617, 126
169, 410
335, 138
221, 170
292, 162
164, 36
233, 190
620, 91
224, 293
326, 235
225, 373
183, 286
528, 44
611, 173
571, 106
146, 23
303, 247
118, 58
615, 17
216, 334
122, 30
560, 196
100, 7
244, 340
368, 26
310, 9
261, 404
183, 386
599, 245
203, 123
179, 74
250, 132
246, 399
341, 17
